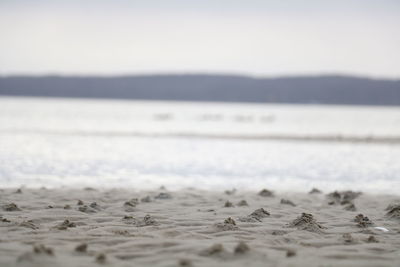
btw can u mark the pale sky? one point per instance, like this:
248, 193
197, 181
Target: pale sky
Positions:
255, 37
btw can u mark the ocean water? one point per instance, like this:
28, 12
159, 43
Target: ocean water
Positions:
217, 146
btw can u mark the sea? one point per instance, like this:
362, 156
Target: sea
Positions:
77, 143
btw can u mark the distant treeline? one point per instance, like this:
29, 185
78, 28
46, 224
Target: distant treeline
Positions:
223, 88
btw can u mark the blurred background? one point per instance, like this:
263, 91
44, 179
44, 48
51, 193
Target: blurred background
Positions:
286, 95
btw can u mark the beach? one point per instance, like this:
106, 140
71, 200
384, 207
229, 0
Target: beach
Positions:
193, 227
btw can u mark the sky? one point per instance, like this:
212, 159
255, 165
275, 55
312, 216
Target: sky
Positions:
252, 37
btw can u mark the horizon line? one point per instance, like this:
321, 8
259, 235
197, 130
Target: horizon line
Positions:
199, 73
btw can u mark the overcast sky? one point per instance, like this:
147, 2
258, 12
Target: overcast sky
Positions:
256, 37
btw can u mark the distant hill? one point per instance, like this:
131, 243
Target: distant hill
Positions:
223, 88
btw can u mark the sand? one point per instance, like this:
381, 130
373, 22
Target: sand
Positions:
121, 227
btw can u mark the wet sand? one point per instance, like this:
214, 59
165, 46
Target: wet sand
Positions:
89, 227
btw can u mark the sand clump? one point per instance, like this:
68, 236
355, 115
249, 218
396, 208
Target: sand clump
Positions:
230, 192
362, 221
393, 211
146, 199
81, 248
259, 214
163, 195
255, 216
147, 221
228, 204
229, 224
132, 203
350, 207
242, 203
266, 193
213, 250
129, 220
348, 238
290, 253
307, 222
41, 249
185, 262
241, 248
95, 206
29, 224
2, 219
65, 225
315, 191
343, 197
287, 202
11, 207
101, 258
92, 208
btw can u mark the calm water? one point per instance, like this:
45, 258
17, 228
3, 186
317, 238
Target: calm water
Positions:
63, 142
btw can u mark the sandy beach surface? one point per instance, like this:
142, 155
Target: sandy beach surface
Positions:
123, 227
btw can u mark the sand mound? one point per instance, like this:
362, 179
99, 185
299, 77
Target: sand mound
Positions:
255, 216
394, 211
307, 222
266, 193
362, 221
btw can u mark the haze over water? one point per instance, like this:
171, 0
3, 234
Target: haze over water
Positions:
56, 142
